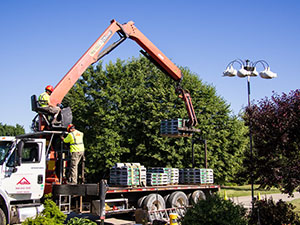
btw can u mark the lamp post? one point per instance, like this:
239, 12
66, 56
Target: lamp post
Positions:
248, 69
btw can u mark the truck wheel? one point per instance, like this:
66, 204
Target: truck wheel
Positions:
2, 217
166, 197
177, 199
189, 197
196, 196
140, 201
154, 202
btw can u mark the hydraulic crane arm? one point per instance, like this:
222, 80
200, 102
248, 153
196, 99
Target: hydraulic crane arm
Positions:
94, 53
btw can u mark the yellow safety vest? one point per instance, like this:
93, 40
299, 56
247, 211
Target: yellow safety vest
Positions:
75, 139
44, 99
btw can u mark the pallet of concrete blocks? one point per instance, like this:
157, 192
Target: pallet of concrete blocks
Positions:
169, 128
196, 176
174, 178
128, 174
157, 179
184, 175
181, 176
206, 176
173, 173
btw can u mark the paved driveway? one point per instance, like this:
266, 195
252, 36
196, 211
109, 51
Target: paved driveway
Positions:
246, 200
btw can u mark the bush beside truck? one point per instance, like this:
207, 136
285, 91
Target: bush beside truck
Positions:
217, 211
51, 215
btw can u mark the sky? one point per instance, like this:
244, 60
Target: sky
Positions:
41, 40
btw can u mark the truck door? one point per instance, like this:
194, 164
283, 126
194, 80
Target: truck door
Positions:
26, 181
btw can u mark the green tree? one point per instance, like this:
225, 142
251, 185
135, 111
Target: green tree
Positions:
8, 130
120, 108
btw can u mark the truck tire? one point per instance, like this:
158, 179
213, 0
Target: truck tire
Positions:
166, 197
177, 199
154, 202
140, 201
189, 197
2, 217
196, 196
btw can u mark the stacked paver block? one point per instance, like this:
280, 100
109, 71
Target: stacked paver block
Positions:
174, 178
157, 179
170, 126
196, 176
207, 176
128, 174
162, 176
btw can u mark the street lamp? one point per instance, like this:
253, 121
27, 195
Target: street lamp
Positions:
248, 69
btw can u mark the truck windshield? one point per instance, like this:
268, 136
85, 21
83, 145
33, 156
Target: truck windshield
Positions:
4, 149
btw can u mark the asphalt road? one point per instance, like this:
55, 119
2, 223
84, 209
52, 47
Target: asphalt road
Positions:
246, 200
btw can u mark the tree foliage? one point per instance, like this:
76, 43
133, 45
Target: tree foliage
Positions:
275, 125
8, 130
215, 211
120, 108
268, 212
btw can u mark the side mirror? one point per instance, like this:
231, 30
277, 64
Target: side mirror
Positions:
18, 158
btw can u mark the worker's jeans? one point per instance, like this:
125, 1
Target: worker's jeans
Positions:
75, 159
54, 111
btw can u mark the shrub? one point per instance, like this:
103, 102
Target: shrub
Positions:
80, 221
51, 215
268, 212
215, 211
39, 220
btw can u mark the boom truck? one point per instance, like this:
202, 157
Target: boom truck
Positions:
34, 164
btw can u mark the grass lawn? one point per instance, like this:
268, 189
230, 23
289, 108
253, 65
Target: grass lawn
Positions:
245, 190
296, 203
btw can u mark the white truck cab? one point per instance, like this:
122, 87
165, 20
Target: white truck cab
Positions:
22, 178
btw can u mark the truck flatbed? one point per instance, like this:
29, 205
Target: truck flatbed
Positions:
93, 189
162, 188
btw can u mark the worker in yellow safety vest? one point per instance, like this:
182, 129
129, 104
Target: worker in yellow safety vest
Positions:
44, 100
75, 139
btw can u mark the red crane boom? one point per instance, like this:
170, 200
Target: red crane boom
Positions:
94, 53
